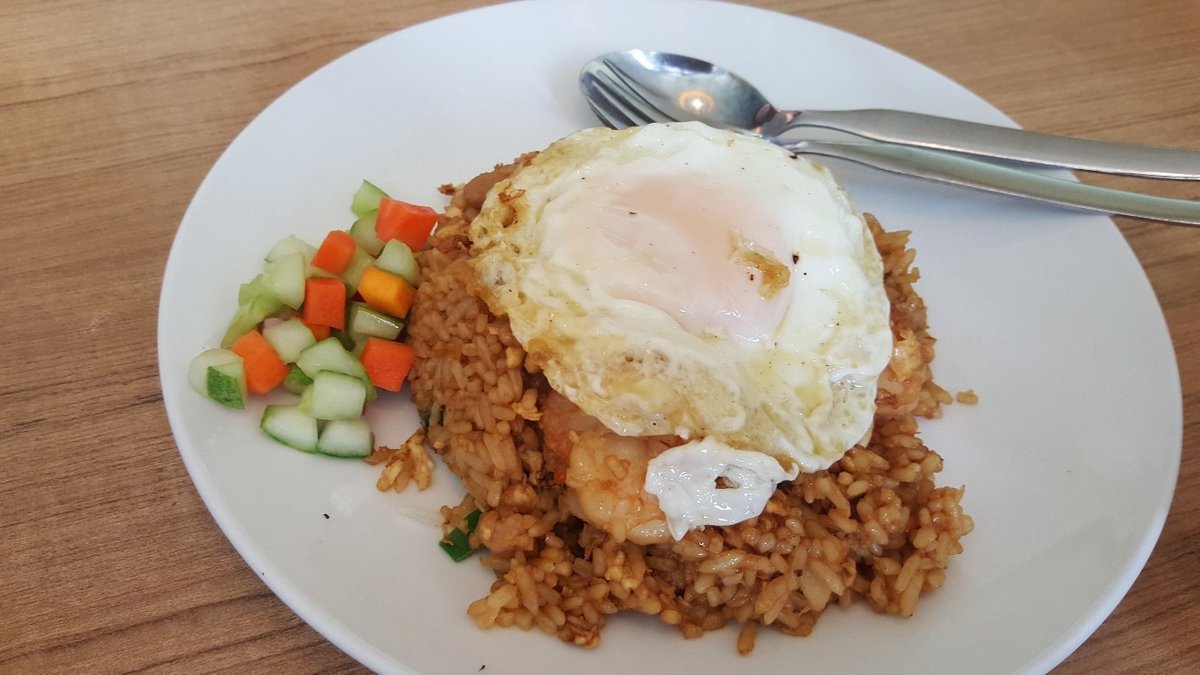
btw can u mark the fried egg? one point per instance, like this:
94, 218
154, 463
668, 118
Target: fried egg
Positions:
677, 279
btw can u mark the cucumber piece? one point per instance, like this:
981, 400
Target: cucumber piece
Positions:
305, 401
291, 426
251, 289
293, 244
227, 384
363, 231
334, 396
354, 271
366, 199
219, 374
249, 315
346, 438
284, 277
329, 354
289, 338
397, 258
289, 245
365, 321
296, 381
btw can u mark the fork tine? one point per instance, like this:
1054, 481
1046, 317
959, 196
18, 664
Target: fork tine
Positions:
615, 105
599, 102
634, 93
609, 118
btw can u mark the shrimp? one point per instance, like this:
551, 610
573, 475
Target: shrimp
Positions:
604, 472
907, 373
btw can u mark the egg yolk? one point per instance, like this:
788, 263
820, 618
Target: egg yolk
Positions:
665, 241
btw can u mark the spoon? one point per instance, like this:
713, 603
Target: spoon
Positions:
637, 87
684, 88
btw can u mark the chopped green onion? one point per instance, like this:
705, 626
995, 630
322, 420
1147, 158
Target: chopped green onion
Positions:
431, 416
459, 546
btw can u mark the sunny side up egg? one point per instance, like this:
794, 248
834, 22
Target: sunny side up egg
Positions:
678, 279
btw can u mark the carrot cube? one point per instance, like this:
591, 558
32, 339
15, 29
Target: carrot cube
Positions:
319, 332
409, 223
386, 292
325, 303
387, 363
335, 253
264, 369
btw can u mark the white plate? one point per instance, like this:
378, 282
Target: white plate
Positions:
1070, 459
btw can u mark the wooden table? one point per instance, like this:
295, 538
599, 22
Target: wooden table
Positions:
112, 112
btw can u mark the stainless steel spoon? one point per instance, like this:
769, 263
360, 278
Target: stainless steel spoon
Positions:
639, 87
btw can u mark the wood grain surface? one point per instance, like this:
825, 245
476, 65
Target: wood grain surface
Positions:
112, 112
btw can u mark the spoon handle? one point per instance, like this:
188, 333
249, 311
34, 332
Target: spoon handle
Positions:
957, 170
940, 133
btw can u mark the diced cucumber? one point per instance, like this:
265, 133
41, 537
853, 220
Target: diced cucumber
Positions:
334, 396
347, 340
220, 375
289, 425
397, 258
289, 338
354, 271
346, 438
363, 231
285, 276
289, 245
227, 384
366, 321
249, 315
329, 354
305, 401
251, 289
366, 199
296, 381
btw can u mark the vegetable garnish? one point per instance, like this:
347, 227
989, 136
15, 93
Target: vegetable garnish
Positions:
328, 323
409, 223
387, 363
325, 302
319, 332
335, 253
366, 199
264, 369
386, 291
457, 543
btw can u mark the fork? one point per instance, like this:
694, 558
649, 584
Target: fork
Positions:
618, 107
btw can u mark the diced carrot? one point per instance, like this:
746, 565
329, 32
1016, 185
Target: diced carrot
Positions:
387, 363
319, 332
325, 302
264, 369
386, 292
335, 253
409, 223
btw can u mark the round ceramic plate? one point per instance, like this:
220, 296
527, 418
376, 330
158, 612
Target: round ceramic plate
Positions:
1069, 460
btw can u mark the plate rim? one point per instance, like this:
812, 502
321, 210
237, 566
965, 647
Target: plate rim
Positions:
360, 650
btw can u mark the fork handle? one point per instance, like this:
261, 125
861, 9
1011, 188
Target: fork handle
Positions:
957, 170
940, 133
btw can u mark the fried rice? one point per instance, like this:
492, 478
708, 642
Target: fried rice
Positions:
873, 528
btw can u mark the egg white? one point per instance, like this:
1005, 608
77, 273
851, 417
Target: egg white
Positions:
677, 279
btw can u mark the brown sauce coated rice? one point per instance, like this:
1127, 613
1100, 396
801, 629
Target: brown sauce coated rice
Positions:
873, 527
